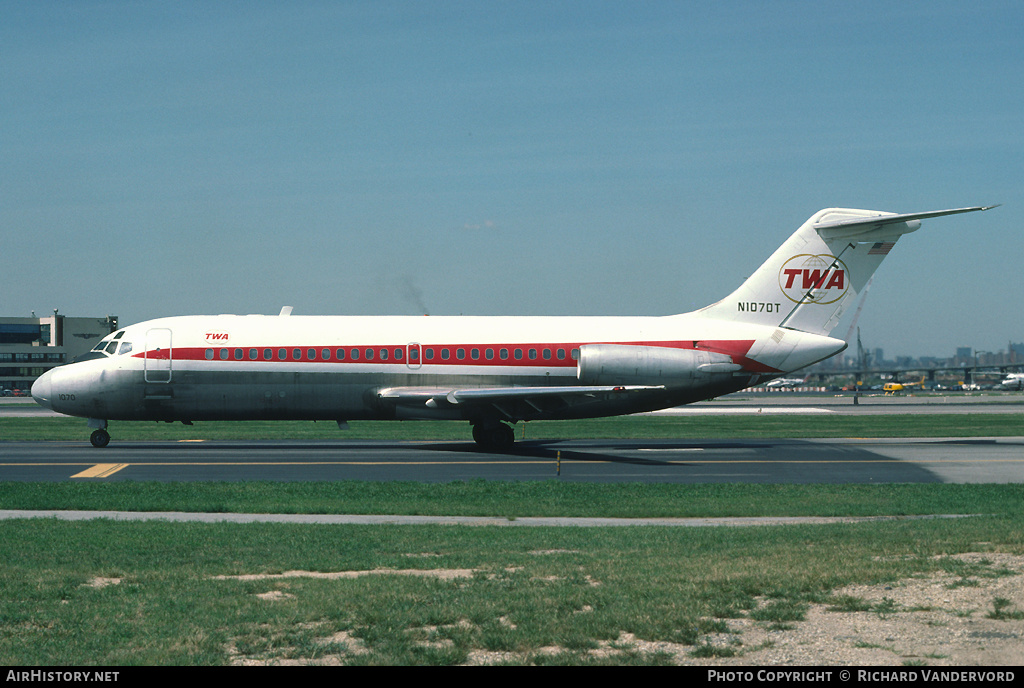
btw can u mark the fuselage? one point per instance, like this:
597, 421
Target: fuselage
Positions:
340, 367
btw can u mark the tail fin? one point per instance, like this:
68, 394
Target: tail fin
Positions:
808, 283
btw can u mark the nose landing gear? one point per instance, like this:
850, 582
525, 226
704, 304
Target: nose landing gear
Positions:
100, 437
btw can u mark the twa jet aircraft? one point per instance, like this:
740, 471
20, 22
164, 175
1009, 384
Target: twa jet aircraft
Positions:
489, 371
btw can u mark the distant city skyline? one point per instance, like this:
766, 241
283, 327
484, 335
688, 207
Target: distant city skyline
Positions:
1013, 355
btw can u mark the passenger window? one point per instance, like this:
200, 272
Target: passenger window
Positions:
238, 354
503, 354
518, 354
575, 354
444, 354
224, 354
533, 354
282, 354
325, 354
429, 354
398, 354
460, 354
561, 354
297, 354
489, 354
209, 354
341, 354
547, 354
253, 354
383, 354
474, 354
355, 354
369, 354
268, 354
311, 354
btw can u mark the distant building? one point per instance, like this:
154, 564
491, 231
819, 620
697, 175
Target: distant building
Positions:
31, 346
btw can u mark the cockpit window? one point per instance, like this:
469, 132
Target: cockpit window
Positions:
108, 344
126, 347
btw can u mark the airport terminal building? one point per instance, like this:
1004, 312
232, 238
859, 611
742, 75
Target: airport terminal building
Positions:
31, 346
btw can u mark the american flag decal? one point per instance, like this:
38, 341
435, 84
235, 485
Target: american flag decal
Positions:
882, 248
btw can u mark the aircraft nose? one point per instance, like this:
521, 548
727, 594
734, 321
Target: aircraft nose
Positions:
42, 389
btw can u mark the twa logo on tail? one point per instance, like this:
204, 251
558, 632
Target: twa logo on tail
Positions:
814, 278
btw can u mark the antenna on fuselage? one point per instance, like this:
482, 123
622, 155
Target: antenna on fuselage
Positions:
285, 310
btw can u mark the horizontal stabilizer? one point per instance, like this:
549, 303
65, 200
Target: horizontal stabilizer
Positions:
851, 228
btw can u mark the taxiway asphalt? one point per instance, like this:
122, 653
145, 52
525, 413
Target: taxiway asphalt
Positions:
951, 460
836, 461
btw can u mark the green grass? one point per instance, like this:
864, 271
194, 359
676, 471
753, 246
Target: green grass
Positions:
519, 499
574, 589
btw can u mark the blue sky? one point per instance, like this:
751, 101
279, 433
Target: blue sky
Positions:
518, 158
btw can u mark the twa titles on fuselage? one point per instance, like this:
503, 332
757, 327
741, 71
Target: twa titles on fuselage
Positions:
490, 371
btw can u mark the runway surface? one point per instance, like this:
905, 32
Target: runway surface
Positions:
834, 461
950, 460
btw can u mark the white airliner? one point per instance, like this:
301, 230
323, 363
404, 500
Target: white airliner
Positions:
488, 370
786, 382
1013, 381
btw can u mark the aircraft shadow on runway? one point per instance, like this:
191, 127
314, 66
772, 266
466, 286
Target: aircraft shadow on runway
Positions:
788, 459
785, 460
610, 451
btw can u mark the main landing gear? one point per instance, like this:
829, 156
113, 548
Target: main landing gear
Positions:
493, 435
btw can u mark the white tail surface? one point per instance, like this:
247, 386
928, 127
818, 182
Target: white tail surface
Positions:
809, 282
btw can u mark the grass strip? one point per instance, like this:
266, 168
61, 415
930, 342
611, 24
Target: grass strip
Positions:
520, 499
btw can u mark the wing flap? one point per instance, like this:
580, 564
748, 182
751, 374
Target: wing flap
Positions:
436, 396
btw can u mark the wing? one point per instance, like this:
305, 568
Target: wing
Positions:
510, 403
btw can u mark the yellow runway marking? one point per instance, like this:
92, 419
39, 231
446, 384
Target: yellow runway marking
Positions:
101, 470
105, 469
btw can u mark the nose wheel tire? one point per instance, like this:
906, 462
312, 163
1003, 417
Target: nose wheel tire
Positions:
100, 438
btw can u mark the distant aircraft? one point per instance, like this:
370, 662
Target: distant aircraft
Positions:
1013, 381
489, 371
785, 382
